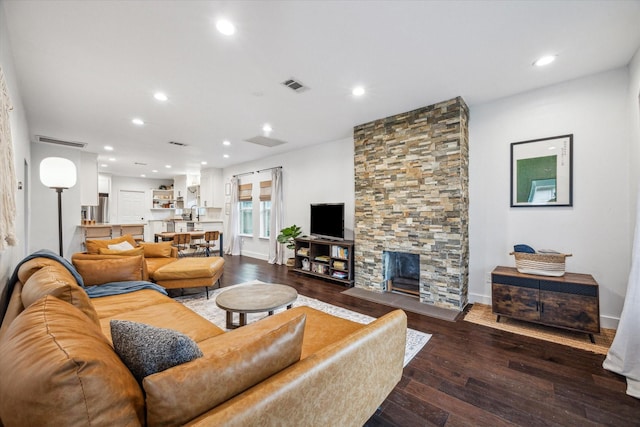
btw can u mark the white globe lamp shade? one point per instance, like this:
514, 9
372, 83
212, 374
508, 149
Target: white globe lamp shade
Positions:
57, 172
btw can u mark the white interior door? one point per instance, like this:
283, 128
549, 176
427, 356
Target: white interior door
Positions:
131, 207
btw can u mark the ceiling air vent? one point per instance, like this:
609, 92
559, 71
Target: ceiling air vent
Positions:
264, 141
295, 85
48, 140
139, 164
179, 144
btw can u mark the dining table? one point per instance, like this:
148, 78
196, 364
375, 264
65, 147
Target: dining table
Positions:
168, 236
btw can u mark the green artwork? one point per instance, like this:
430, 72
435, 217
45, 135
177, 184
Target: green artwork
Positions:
534, 171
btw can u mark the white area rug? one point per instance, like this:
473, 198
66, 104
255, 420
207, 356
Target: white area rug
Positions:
208, 309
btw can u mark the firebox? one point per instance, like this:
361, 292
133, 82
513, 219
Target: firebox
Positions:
401, 271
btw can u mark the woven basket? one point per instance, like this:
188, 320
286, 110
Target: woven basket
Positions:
540, 264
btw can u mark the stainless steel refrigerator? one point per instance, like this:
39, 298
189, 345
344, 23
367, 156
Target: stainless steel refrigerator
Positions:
102, 210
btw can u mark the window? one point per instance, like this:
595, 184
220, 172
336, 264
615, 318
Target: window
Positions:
265, 209
246, 218
265, 218
246, 209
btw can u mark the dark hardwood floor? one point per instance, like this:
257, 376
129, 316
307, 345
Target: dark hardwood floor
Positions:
472, 375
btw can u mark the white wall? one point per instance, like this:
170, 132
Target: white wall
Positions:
321, 173
21, 151
597, 230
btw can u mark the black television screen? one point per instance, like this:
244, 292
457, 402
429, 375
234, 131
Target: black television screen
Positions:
327, 220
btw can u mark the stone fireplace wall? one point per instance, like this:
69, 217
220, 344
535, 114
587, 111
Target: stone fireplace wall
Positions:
411, 183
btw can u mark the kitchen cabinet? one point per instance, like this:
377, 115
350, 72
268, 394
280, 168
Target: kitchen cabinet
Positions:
211, 188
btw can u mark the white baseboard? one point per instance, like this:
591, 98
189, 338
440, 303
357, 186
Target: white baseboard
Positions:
256, 255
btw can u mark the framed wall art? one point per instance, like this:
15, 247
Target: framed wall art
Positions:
542, 172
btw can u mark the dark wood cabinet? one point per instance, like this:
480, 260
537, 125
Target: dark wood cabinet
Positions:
329, 259
569, 302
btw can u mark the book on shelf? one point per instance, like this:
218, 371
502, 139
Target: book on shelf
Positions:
339, 252
303, 251
339, 274
323, 258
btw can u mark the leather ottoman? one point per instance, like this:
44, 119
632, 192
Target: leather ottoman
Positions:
190, 273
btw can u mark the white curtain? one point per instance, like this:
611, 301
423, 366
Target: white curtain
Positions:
276, 250
233, 247
8, 181
624, 355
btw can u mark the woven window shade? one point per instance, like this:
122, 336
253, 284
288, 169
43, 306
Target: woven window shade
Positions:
265, 190
245, 192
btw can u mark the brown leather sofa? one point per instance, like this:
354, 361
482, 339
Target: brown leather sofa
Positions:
299, 367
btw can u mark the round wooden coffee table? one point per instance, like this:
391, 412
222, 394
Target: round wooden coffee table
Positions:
254, 298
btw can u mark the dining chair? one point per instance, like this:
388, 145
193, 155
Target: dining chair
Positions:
210, 242
182, 241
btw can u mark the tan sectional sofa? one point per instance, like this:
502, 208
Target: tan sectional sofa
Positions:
300, 367
160, 263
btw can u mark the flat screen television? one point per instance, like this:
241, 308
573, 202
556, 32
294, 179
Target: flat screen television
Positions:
327, 220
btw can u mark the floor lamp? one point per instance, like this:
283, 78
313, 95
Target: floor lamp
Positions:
58, 173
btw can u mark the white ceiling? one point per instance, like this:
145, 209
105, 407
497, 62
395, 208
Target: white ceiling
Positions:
86, 68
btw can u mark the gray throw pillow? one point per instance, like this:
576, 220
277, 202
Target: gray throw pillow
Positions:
147, 349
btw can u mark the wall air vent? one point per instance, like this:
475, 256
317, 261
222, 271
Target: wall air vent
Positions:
179, 144
48, 140
264, 141
295, 85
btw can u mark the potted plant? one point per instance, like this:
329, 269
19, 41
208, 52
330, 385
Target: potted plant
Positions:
287, 237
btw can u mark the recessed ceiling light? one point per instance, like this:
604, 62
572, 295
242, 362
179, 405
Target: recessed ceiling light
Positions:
112, 159
266, 128
143, 175
160, 96
358, 91
225, 142
104, 165
545, 60
155, 171
137, 121
225, 27
203, 163
226, 156
108, 148
167, 166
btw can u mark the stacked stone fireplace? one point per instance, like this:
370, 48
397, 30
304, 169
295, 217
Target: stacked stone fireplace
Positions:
411, 197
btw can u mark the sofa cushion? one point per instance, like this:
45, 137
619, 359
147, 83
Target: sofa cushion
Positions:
156, 250
66, 372
94, 245
128, 252
122, 246
239, 359
28, 268
105, 270
58, 282
146, 349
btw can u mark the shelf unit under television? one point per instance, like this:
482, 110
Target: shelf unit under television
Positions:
329, 259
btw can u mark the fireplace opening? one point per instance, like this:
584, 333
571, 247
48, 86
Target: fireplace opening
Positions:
401, 271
